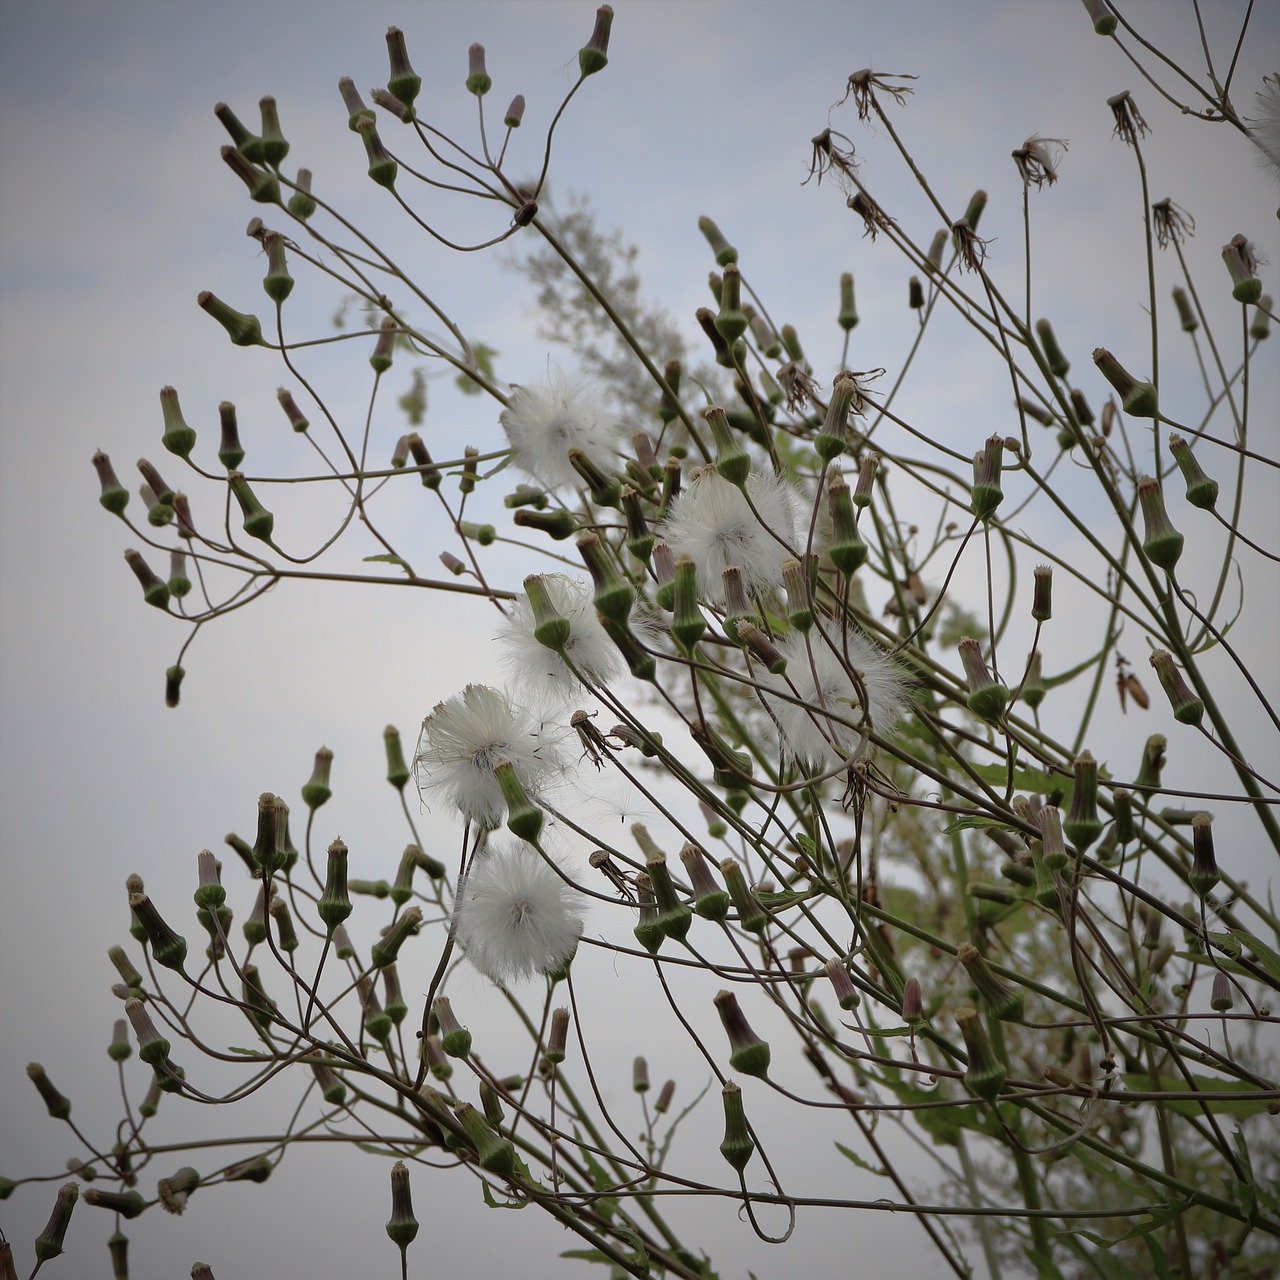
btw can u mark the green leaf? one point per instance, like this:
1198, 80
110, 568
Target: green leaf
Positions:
387, 558
484, 365
1205, 1085
498, 1204
1267, 958
859, 1161
974, 822
1155, 1219
1034, 780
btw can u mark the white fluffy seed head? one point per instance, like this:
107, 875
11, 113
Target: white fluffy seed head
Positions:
514, 916
822, 730
712, 522
544, 423
464, 739
1264, 130
541, 672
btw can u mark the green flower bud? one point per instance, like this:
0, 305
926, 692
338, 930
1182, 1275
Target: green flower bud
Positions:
731, 320
1005, 1002
397, 770
382, 168
751, 915
1161, 542
153, 1048
1186, 315
987, 695
524, 818
128, 1204
1138, 398
174, 1192
724, 251
49, 1242
178, 438
356, 109
558, 525
1083, 825
154, 591
674, 915
478, 79
1260, 329
987, 494
738, 1145
842, 984
301, 203
247, 144
384, 951
230, 454
334, 905
402, 1226
1058, 364
455, 1039
848, 316
614, 594
263, 186
984, 1077
494, 1154
1204, 872
1042, 595
258, 522
847, 550
748, 1053
1202, 492
286, 934
1033, 685
710, 901
799, 603
274, 144
1104, 21
1242, 264
649, 933
255, 1004
114, 496
594, 55
724, 351
209, 892
332, 1090
403, 81
1221, 999
167, 948
1187, 708
316, 790
244, 330
59, 1106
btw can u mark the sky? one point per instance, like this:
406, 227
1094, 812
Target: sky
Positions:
115, 211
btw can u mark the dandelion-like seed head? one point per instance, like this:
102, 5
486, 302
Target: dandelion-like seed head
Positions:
464, 739
514, 915
544, 423
1264, 129
822, 727
543, 671
713, 523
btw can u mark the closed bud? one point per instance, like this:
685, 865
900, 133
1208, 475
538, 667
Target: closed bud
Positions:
1186, 316
640, 1076
724, 251
209, 892
286, 934
1187, 708
594, 55
1202, 492
478, 80
984, 1077
1204, 874
1042, 594
761, 648
1005, 1002
1053, 849
255, 1004
1033, 685
1104, 21
455, 1039
49, 1242
559, 1038
912, 1002
230, 454
710, 901
1260, 328
738, 1144
1221, 999
262, 184
847, 318
1138, 398
178, 437
751, 915
128, 1204
382, 168
384, 951
274, 144
1242, 264
987, 695
1058, 364
167, 948
847, 550
799, 604
334, 905
1083, 825
356, 108
301, 203
247, 144
987, 494
403, 81
124, 966
150, 1103
58, 1105
614, 595
153, 1048
842, 984
1153, 758
687, 623
243, 329
674, 915
397, 770
114, 496
1161, 541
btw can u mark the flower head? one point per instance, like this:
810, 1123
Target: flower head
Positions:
714, 524
1264, 130
543, 670
544, 423
465, 739
514, 915
821, 727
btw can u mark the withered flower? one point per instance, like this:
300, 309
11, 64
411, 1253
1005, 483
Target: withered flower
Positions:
1129, 123
1173, 223
872, 215
827, 155
1038, 159
863, 85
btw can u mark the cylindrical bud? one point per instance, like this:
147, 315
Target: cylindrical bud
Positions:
1186, 316
440, 1066
912, 1002
384, 951
986, 494
594, 55
649, 933
1202, 492
243, 329
1260, 328
799, 601
1153, 757
167, 948
209, 892
59, 1106
286, 934
1053, 847
1221, 999
1042, 595
915, 294
665, 1094
640, 1075
397, 771
128, 1204
356, 109
1033, 685
248, 144
731, 320
1058, 364
751, 915
332, 1090
710, 901
49, 1242
178, 437
984, 1077
1005, 1002
455, 1039
738, 1144
124, 966
1161, 541
380, 360
515, 112
1187, 708
230, 454
114, 496
687, 623
614, 595
382, 167
301, 203
1138, 398
393, 1001
274, 144
847, 550
640, 537
1204, 874
263, 185
258, 521
297, 419
1083, 825
842, 984
987, 695
724, 251
848, 316
255, 927
524, 817
402, 1226
559, 1037
1103, 19
316, 789
153, 1048
478, 79
1242, 264
403, 81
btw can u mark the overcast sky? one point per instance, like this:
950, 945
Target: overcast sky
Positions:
115, 210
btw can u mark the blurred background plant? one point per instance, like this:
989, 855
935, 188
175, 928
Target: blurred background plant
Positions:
864, 674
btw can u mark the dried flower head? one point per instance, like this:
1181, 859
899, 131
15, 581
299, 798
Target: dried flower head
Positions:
544, 423
1038, 159
836, 691
863, 85
826, 155
515, 916
718, 526
1129, 123
465, 739
798, 386
874, 218
1172, 222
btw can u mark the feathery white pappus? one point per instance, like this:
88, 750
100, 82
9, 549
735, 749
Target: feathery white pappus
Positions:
820, 732
1264, 129
543, 671
544, 423
514, 916
712, 522
464, 739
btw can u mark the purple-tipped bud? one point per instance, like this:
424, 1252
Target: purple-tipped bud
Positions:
738, 1145
230, 454
665, 1094
515, 112
559, 1037
710, 901
915, 294
912, 1002
1161, 541
403, 81
380, 360
258, 522
478, 79
114, 496
1005, 1002
1042, 594
1138, 398
987, 695
640, 1075
249, 145
1220, 998
987, 495
243, 329
356, 108
274, 144
167, 948
1242, 264
1204, 872
209, 892
263, 186
49, 1242
402, 1226
842, 984
382, 167
1187, 708
1202, 492
277, 283
58, 1105
153, 1048
594, 55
